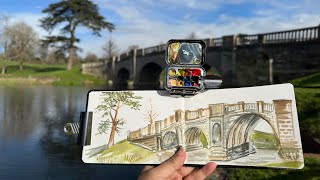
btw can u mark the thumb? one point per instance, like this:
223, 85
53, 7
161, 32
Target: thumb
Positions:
173, 164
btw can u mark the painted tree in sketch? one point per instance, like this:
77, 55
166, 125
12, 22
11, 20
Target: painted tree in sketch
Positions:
150, 114
112, 102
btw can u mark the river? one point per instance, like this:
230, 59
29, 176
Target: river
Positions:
32, 142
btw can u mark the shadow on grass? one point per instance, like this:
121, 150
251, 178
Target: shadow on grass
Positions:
32, 69
49, 69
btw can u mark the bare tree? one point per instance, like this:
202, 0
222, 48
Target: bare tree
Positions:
91, 57
22, 42
110, 49
132, 47
150, 114
4, 41
192, 35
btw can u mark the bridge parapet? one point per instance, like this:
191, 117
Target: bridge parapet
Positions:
134, 134
259, 106
126, 55
150, 50
152, 129
267, 107
291, 36
200, 113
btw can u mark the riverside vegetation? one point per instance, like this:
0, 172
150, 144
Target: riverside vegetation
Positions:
36, 74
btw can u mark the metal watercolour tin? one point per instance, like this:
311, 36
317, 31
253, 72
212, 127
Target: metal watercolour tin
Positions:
184, 74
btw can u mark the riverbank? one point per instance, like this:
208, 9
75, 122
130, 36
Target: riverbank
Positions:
40, 74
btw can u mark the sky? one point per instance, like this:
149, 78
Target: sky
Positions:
151, 22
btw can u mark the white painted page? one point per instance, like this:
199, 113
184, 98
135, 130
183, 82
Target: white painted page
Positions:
254, 126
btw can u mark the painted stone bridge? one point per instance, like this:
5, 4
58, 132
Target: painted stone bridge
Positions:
224, 129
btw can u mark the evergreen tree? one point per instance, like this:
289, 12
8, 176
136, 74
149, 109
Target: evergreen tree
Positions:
71, 14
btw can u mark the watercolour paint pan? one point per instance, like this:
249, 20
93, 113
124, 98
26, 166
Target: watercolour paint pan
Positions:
254, 126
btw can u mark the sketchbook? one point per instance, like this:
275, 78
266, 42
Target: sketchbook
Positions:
254, 126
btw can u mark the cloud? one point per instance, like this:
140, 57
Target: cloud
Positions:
139, 27
149, 22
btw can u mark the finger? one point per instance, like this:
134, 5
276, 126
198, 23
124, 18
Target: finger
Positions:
203, 172
184, 171
173, 164
146, 168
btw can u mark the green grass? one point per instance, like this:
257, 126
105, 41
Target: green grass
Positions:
123, 151
293, 164
308, 106
203, 140
310, 171
307, 81
58, 75
308, 100
265, 140
308, 103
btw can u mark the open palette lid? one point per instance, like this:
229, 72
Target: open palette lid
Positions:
185, 52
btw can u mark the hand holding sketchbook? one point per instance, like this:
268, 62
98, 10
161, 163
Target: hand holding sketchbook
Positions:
255, 126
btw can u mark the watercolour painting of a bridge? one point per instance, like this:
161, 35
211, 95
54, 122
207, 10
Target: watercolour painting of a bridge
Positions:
259, 132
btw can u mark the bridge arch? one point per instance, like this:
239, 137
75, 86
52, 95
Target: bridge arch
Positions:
195, 137
240, 133
211, 70
121, 80
149, 76
169, 140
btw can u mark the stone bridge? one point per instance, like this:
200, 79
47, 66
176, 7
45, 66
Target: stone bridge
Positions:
224, 129
241, 60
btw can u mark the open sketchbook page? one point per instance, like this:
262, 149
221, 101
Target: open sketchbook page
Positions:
256, 126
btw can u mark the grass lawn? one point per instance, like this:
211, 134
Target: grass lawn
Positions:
265, 140
123, 151
310, 171
307, 81
46, 74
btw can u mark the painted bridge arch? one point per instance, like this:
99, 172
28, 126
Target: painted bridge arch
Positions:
195, 138
240, 133
169, 140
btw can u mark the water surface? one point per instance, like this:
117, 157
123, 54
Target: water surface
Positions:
32, 142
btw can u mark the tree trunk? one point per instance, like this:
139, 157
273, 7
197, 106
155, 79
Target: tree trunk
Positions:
112, 133
21, 66
70, 62
114, 126
3, 72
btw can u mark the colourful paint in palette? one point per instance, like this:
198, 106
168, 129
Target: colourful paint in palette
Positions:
184, 77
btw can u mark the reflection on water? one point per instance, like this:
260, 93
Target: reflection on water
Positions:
32, 142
